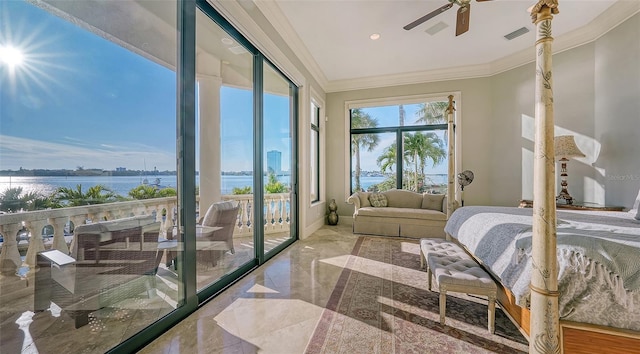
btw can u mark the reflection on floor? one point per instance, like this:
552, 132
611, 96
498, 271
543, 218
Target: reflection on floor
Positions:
274, 309
53, 331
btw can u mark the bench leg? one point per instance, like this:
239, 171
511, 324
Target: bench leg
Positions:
421, 259
492, 313
443, 305
429, 275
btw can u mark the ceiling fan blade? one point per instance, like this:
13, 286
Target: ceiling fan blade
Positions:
428, 16
462, 23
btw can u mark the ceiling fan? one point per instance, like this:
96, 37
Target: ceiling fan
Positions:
462, 23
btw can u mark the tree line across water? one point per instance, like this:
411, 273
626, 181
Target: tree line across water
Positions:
16, 199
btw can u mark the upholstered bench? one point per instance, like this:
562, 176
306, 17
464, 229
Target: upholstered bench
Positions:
439, 246
462, 275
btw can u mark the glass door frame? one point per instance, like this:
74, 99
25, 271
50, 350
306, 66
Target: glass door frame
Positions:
186, 168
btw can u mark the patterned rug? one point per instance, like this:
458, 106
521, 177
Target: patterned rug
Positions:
381, 304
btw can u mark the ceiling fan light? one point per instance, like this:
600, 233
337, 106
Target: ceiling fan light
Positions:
374, 36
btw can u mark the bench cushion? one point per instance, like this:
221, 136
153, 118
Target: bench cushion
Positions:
452, 270
441, 247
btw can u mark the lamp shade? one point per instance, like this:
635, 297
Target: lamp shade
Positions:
565, 146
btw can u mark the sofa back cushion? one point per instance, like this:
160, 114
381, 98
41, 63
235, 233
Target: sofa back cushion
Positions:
378, 200
399, 198
364, 199
432, 201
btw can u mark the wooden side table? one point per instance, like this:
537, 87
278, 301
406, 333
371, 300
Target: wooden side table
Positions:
575, 206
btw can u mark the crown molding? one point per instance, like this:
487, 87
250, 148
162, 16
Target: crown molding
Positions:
608, 20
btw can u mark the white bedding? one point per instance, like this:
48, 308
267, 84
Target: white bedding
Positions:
598, 259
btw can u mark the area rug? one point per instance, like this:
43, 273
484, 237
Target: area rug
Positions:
381, 304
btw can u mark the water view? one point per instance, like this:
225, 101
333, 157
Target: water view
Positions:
119, 184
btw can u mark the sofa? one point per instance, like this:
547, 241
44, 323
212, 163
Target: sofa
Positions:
401, 213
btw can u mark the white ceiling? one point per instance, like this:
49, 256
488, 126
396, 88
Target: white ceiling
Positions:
332, 36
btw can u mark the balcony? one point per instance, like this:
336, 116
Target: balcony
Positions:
19, 270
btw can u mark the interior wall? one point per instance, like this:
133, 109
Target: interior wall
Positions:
617, 112
475, 112
513, 122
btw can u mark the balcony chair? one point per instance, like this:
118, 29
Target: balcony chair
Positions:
225, 216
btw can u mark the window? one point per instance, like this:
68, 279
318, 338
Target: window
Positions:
401, 144
315, 152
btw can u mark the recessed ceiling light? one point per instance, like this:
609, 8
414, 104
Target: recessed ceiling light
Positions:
375, 36
226, 41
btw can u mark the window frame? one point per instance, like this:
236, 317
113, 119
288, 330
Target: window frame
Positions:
314, 182
398, 130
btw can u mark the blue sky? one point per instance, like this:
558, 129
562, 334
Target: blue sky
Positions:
80, 100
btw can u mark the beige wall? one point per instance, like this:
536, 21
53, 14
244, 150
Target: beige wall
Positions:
597, 99
617, 111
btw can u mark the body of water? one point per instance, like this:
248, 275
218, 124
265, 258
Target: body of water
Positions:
119, 184
123, 184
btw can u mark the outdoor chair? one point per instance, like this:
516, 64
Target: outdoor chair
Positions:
224, 216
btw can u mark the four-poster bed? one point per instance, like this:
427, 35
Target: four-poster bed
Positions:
540, 316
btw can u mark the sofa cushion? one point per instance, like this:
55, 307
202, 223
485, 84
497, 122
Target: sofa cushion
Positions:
364, 199
378, 200
405, 213
432, 201
399, 198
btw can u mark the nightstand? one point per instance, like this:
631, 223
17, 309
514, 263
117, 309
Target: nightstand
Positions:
575, 206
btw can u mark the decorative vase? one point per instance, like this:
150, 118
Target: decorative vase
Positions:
333, 216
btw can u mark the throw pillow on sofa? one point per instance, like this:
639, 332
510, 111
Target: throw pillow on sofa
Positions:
378, 200
432, 201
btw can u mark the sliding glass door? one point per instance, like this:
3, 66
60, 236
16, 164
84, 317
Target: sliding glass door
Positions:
224, 153
279, 167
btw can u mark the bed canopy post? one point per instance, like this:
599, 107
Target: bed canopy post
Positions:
451, 191
545, 326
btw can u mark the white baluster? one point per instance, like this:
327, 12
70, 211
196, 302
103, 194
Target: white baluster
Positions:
35, 241
10, 256
59, 242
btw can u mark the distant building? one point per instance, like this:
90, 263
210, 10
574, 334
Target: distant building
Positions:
274, 162
121, 169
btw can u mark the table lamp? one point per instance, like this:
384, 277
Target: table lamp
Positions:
565, 147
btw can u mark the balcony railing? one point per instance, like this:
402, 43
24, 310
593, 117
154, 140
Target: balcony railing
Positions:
277, 216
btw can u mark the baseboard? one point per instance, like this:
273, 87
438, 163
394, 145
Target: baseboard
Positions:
312, 228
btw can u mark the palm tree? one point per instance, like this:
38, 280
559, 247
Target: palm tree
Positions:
359, 119
419, 148
432, 112
98, 194
144, 192
13, 199
387, 160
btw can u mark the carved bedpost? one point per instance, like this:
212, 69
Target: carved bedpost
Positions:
451, 191
545, 326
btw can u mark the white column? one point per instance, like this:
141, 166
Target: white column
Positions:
209, 84
451, 188
545, 326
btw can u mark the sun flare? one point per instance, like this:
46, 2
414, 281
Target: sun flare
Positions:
11, 56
